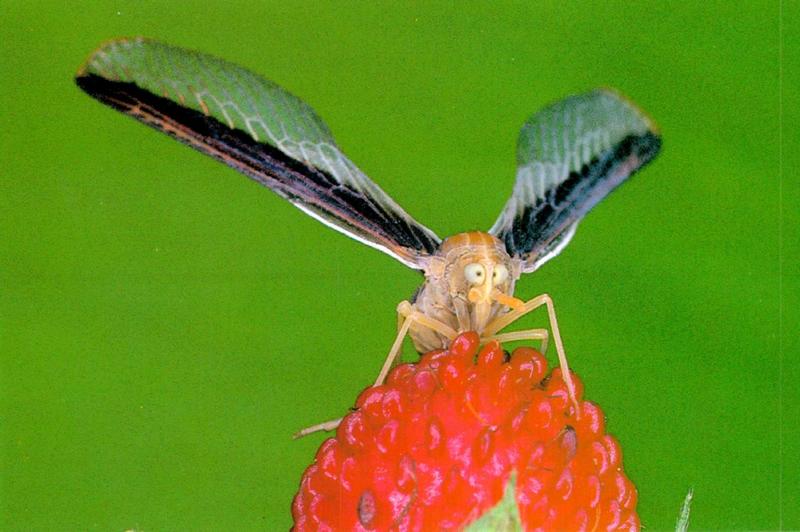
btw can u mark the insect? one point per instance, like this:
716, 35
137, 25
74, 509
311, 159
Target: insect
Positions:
570, 156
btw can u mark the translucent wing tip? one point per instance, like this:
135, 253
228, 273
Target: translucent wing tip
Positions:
619, 95
89, 66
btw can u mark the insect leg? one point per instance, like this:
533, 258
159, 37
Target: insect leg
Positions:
529, 334
326, 426
544, 299
406, 316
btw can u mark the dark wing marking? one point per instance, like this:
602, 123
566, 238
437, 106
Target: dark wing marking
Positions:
257, 128
570, 156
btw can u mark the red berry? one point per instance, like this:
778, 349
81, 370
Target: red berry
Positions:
440, 443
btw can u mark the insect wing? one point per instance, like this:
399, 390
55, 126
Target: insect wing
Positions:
570, 156
259, 129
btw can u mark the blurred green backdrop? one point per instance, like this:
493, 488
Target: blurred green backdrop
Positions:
168, 324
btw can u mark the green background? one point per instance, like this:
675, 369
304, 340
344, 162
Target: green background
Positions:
168, 324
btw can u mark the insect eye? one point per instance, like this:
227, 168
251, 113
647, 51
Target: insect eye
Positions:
474, 273
499, 275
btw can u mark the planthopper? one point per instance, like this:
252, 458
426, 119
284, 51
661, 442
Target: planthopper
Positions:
570, 155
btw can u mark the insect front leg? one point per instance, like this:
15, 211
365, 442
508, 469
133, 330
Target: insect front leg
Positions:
406, 316
505, 320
